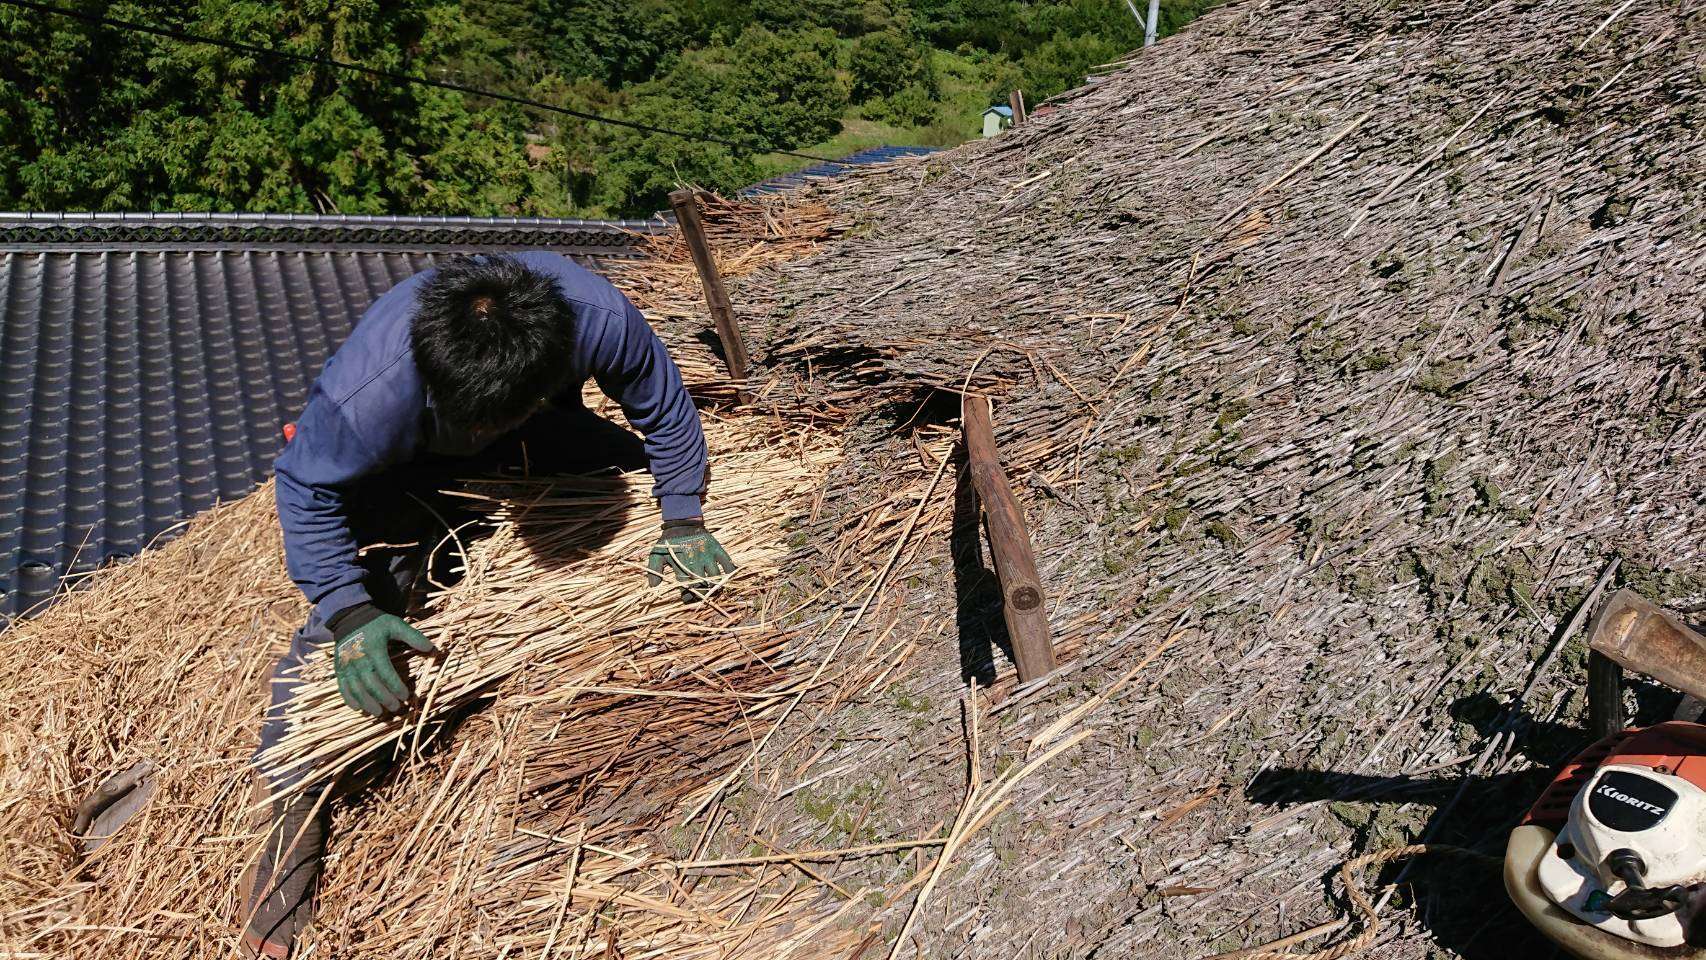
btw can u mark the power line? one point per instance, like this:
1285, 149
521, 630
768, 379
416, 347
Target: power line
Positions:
388, 75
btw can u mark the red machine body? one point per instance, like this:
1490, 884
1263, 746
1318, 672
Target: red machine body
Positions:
1677, 748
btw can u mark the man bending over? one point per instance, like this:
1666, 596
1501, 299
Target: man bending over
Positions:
482, 356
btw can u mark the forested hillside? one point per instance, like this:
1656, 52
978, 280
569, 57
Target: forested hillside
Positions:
99, 117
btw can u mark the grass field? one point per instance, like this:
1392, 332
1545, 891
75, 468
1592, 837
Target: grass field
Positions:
967, 90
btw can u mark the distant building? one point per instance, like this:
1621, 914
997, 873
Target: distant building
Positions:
997, 119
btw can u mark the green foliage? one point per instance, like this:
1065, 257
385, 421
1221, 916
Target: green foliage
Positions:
784, 88
1061, 63
770, 90
885, 63
911, 107
639, 169
895, 78
980, 24
615, 42
95, 118
160, 124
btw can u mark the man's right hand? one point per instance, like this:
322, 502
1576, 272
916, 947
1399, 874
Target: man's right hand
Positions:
687, 548
362, 636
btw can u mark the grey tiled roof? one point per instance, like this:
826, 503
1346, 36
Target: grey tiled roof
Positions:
148, 361
108, 229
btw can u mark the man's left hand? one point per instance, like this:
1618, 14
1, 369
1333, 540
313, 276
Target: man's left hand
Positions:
687, 548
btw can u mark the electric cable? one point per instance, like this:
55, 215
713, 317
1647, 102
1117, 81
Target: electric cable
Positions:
241, 47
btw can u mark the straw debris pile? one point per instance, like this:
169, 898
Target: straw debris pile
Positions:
529, 826
559, 584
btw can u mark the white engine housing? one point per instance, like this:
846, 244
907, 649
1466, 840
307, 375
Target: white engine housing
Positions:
1660, 817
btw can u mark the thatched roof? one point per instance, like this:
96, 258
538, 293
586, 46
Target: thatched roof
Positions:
1340, 345
1337, 350
621, 704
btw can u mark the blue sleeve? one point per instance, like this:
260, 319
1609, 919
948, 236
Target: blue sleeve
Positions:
316, 473
633, 368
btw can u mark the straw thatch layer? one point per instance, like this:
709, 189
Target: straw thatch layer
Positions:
1337, 350
168, 662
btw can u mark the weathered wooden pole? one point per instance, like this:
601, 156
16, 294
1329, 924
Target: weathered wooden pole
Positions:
1022, 601
1016, 101
685, 203
1154, 22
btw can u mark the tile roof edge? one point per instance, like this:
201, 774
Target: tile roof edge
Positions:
73, 229
308, 220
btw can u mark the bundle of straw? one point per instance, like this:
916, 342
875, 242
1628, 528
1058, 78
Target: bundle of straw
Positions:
174, 653
462, 875
560, 582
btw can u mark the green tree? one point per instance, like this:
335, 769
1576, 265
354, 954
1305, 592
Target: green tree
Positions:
114, 119
1107, 20
912, 107
110, 119
616, 42
884, 63
1061, 63
569, 154
785, 92
787, 15
641, 168
983, 24
768, 91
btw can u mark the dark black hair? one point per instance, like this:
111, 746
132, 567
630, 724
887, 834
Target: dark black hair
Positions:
492, 338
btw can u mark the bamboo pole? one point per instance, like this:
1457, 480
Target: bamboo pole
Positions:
1022, 601
685, 202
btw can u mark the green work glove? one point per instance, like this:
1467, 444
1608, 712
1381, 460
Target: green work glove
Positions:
363, 635
696, 557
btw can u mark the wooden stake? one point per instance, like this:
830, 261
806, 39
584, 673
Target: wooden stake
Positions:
1016, 100
1022, 601
685, 202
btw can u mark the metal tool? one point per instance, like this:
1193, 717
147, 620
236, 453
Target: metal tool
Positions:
119, 798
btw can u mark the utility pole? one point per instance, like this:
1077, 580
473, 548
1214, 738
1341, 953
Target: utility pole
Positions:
1149, 25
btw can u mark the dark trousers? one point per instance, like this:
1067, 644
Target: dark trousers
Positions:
404, 509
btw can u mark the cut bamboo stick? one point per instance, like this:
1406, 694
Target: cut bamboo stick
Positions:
685, 203
1023, 603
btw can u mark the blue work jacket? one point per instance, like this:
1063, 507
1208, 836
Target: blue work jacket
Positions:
369, 412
